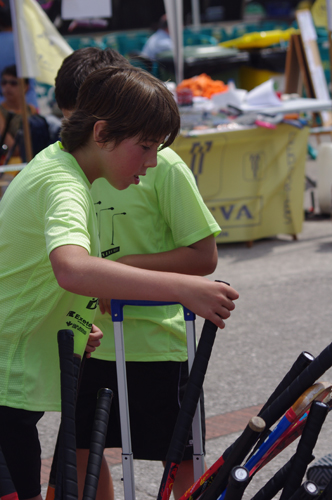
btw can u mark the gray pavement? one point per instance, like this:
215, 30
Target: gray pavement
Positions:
283, 309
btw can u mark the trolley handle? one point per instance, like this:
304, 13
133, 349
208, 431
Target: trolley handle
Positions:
118, 304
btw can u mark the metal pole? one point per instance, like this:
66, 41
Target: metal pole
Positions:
18, 60
329, 24
195, 13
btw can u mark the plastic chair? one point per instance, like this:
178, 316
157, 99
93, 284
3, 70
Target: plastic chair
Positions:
84, 41
192, 38
140, 61
110, 41
131, 43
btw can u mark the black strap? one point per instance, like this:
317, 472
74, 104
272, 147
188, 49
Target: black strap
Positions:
9, 117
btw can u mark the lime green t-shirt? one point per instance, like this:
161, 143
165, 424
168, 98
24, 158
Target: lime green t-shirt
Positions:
165, 211
46, 206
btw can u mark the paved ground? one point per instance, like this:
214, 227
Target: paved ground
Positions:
284, 308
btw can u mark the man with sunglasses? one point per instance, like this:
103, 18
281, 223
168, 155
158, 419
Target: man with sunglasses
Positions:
7, 51
11, 107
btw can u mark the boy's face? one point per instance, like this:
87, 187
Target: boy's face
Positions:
124, 164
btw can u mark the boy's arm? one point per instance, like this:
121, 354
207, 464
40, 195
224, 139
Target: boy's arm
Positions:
78, 272
200, 258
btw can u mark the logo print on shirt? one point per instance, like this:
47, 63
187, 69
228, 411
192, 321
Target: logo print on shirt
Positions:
113, 249
81, 325
92, 304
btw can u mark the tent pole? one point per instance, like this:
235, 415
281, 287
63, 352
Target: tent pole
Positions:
329, 23
195, 13
25, 121
18, 60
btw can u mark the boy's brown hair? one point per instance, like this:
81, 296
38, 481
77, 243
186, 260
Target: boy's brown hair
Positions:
75, 69
130, 100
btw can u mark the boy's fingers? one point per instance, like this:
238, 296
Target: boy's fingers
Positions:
230, 306
224, 313
102, 306
105, 306
231, 293
92, 346
218, 321
95, 329
94, 340
95, 333
108, 307
228, 290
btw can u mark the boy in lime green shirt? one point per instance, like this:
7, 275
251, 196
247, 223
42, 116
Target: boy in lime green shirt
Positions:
162, 224
55, 222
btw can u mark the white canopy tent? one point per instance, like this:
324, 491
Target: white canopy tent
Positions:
196, 17
174, 12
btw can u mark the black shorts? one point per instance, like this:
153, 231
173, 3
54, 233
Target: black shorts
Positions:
155, 390
21, 448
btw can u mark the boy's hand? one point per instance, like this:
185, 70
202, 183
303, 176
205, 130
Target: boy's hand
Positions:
105, 306
94, 340
210, 300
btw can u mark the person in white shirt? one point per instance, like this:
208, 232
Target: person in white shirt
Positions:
160, 41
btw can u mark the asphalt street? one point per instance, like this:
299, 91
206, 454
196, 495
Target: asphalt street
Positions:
284, 308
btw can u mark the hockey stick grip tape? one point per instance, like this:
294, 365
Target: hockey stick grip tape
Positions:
238, 480
250, 433
304, 380
304, 449
308, 490
188, 407
78, 366
192, 393
275, 484
303, 360
98, 437
68, 434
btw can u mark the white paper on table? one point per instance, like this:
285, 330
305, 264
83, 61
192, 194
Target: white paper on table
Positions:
263, 95
233, 97
81, 9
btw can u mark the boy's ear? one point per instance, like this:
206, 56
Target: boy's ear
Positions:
98, 135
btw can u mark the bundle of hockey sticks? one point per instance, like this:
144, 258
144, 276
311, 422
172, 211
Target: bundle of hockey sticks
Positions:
301, 405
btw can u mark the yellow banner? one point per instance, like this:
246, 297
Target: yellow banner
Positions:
251, 180
319, 13
41, 47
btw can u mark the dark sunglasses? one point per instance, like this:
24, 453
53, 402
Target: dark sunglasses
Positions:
13, 83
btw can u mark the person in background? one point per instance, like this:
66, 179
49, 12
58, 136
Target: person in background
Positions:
11, 106
162, 224
7, 51
160, 41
